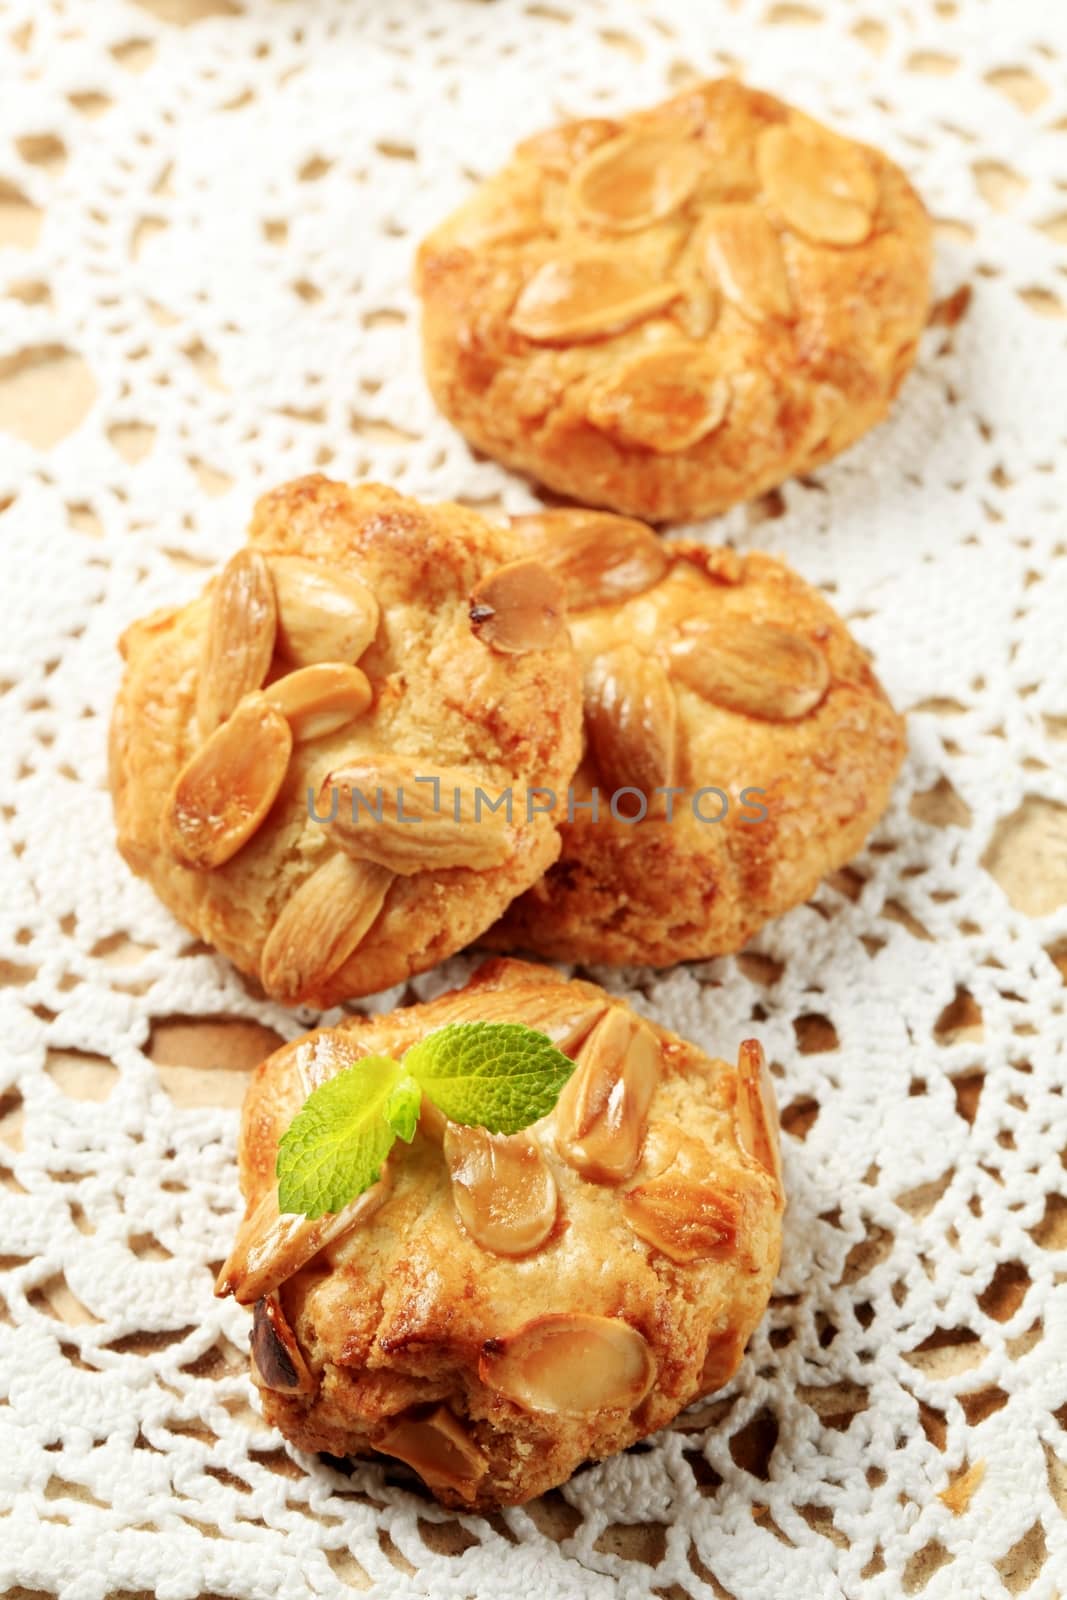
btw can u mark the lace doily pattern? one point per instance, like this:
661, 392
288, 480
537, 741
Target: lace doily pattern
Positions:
208, 210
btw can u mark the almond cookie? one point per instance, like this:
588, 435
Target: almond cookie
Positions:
732, 683
305, 761
676, 311
497, 1310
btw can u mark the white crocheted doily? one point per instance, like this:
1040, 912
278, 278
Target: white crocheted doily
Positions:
208, 210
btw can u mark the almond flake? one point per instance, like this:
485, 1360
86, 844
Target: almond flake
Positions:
688, 1221
587, 297
756, 1112
575, 1363
823, 186
743, 254
317, 701
756, 668
600, 558
277, 1359
634, 181
320, 926
439, 1448
519, 608
240, 638
602, 1112
323, 614
631, 717
502, 1188
224, 792
393, 812
667, 399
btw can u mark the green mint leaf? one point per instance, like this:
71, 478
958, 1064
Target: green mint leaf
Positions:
496, 1075
335, 1145
402, 1108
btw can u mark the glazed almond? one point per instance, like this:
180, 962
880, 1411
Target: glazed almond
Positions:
688, 1220
666, 399
634, 181
502, 1189
518, 608
756, 1111
587, 297
756, 668
600, 558
602, 1112
408, 819
570, 1363
317, 701
222, 794
322, 615
439, 1448
272, 1246
743, 255
320, 926
277, 1359
823, 187
631, 718
240, 638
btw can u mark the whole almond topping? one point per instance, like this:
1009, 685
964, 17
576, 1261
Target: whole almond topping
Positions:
320, 926
271, 1246
318, 700
277, 1359
416, 817
223, 793
634, 181
587, 297
823, 186
574, 1363
756, 1111
439, 1448
240, 638
502, 1188
602, 1112
600, 558
743, 254
323, 614
687, 1220
756, 668
666, 399
518, 608
631, 718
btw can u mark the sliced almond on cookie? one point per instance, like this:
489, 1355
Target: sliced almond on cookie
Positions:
602, 1112
756, 668
321, 924
634, 181
667, 399
587, 297
317, 701
277, 1360
519, 608
502, 1188
240, 638
387, 810
223, 793
823, 186
323, 614
756, 1111
685, 1219
600, 558
631, 717
439, 1448
574, 1363
743, 254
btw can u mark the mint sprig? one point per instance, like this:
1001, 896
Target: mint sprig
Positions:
496, 1075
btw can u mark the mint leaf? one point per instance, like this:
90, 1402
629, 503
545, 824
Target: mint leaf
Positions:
496, 1075
402, 1108
335, 1145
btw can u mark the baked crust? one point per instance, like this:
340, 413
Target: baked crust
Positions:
673, 312
211, 796
496, 1376
729, 672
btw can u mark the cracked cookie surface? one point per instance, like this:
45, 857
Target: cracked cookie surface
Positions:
674, 311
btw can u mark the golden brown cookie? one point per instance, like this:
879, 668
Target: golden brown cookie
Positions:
676, 311
495, 1311
732, 680
358, 644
